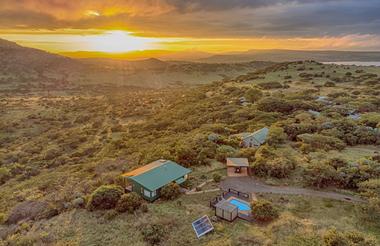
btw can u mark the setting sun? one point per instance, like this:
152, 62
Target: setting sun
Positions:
119, 41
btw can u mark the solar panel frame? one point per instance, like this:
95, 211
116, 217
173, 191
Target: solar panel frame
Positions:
202, 226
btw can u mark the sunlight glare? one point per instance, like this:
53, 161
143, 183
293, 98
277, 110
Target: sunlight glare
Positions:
119, 41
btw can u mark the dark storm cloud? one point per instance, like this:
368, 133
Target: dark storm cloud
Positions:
201, 18
218, 5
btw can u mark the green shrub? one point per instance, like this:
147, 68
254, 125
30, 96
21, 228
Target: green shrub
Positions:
337, 163
370, 188
270, 85
253, 94
358, 238
329, 84
154, 234
225, 151
216, 177
320, 175
129, 203
170, 191
105, 197
293, 130
277, 167
273, 104
247, 153
263, 210
319, 141
334, 238
276, 135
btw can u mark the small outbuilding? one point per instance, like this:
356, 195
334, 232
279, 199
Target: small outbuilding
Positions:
148, 180
237, 167
226, 210
253, 139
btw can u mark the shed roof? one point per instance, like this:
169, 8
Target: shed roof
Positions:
259, 135
157, 174
237, 162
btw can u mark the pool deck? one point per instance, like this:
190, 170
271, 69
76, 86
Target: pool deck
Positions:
245, 215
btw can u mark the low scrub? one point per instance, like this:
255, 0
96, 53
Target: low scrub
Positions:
170, 191
154, 234
129, 203
105, 197
319, 141
263, 210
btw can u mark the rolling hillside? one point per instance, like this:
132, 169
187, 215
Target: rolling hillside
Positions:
293, 55
28, 69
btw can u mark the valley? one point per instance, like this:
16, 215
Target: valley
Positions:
62, 144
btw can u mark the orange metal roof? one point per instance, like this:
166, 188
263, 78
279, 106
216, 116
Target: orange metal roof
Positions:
144, 169
237, 162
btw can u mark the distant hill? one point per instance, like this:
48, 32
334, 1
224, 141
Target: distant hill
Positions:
143, 64
293, 55
21, 59
23, 68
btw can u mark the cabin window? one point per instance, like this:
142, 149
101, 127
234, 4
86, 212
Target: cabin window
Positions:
147, 193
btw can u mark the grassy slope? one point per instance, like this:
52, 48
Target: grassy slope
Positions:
170, 117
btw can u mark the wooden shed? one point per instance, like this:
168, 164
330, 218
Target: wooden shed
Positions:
237, 167
226, 210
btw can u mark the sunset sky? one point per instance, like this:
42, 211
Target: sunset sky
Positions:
120, 26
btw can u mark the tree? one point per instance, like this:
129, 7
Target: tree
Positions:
263, 210
128, 203
170, 191
105, 197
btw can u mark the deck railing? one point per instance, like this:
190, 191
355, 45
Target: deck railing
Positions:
237, 193
214, 201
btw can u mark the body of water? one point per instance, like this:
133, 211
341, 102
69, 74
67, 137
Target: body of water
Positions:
356, 63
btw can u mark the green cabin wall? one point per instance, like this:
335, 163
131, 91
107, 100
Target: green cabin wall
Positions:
136, 187
139, 189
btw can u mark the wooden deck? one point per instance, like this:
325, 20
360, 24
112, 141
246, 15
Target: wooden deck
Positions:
229, 194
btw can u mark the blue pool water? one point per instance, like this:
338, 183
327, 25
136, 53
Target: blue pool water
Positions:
241, 205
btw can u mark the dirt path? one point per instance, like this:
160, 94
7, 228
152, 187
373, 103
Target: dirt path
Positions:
247, 184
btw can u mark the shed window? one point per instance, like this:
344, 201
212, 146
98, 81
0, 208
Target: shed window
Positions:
147, 193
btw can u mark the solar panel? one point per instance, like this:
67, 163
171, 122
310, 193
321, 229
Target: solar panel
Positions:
202, 226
